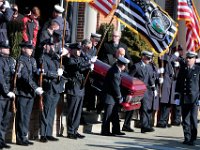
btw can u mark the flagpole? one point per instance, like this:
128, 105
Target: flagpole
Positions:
59, 113
102, 40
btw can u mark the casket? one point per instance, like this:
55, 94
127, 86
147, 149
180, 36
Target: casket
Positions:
132, 88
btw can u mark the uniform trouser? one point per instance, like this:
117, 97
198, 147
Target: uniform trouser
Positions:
75, 104
128, 118
110, 115
164, 113
5, 116
176, 114
50, 102
145, 116
189, 117
24, 109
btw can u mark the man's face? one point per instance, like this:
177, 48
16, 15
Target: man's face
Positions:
146, 59
116, 37
94, 41
5, 51
190, 61
27, 50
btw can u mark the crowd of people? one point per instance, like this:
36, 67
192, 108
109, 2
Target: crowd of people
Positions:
172, 90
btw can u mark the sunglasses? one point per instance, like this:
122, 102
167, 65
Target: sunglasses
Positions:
189, 57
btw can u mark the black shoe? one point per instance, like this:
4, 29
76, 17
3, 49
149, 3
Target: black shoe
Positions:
108, 134
118, 133
29, 142
175, 123
60, 135
128, 129
51, 138
4, 145
80, 136
43, 139
144, 130
161, 125
22, 143
72, 136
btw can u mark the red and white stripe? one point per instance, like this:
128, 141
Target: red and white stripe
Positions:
103, 6
189, 14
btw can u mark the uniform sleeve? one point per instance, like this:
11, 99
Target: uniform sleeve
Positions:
8, 14
3, 85
83, 64
49, 73
26, 77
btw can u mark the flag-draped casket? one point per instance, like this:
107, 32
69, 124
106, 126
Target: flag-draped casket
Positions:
132, 88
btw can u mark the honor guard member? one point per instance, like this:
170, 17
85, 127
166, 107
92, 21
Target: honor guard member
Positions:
168, 82
176, 109
6, 14
112, 98
143, 71
188, 87
57, 16
26, 89
76, 66
52, 87
94, 38
90, 97
7, 69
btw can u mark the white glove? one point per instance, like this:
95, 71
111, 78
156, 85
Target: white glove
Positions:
6, 4
161, 80
93, 59
176, 64
176, 54
11, 95
121, 100
60, 71
177, 101
92, 67
39, 91
155, 93
198, 60
161, 70
64, 51
40, 71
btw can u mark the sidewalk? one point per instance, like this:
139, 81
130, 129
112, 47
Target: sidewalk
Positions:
161, 139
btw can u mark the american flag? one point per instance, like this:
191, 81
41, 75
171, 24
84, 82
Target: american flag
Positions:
103, 6
146, 18
188, 13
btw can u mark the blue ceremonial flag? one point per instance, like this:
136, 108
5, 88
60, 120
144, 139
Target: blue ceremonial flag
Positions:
146, 18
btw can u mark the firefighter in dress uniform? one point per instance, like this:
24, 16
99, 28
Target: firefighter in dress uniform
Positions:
26, 89
188, 87
7, 69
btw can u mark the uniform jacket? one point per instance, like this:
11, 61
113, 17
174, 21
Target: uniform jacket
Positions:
7, 69
169, 84
144, 73
50, 81
188, 84
155, 78
75, 67
4, 18
26, 82
111, 87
